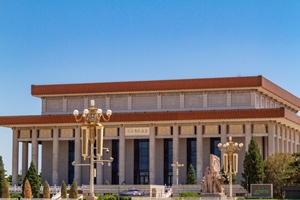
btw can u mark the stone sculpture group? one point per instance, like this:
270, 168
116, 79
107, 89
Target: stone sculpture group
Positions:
212, 180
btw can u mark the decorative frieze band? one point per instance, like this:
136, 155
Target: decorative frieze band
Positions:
211, 129
236, 129
66, 133
165, 130
187, 130
259, 128
25, 134
45, 133
111, 132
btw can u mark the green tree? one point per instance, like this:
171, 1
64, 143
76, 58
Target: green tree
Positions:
63, 190
275, 168
27, 193
2, 175
73, 190
293, 171
191, 177
9, 179
34, 180
253, 166
46, 191
5, 189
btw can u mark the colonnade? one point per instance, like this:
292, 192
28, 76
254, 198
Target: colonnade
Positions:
280, 138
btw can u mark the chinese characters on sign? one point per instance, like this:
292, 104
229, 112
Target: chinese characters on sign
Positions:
136, 131
262, 190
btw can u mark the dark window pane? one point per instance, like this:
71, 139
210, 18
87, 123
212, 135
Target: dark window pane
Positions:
141, 161
214, 146
71, 159
168, 159
115, 163
192, 154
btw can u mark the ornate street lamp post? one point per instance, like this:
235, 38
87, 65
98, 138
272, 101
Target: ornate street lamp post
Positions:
176, 165
92, 131
230, 160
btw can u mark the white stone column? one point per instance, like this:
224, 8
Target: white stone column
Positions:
271, 138
34, 148
253, 99
223, 138
158, 101
65, 102
44, 103
292, 140
86, 103
175, 149
296, 141
223, 134
278, 133
283, 137
152, 155
287, 137
15, 156
199, 154
24, 159
55, 157
129, 102
122, 155
205, 100
107, 102
248, 135
228, 95
77, 169
181, 100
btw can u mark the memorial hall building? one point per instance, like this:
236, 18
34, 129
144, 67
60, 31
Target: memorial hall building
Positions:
154, 125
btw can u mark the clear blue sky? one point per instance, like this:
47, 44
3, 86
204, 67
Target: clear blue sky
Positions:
71, 41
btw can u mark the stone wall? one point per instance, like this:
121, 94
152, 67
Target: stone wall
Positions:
165, 101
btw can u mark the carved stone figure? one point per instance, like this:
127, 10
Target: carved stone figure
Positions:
212, 180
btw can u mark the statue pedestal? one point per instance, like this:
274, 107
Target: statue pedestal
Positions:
212, 196
91, 197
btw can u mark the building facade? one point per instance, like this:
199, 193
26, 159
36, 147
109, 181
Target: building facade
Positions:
154, 124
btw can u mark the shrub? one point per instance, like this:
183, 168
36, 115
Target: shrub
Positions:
73, 190
16, 196
34, 180
5, 189
46, 191
191, 177
2, 175
27, 190
63, 190
125, 198
188, 194
110, 197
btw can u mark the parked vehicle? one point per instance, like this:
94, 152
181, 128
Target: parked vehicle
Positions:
134, 192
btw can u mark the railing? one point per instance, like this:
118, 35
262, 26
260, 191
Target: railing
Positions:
53, 189
56, 196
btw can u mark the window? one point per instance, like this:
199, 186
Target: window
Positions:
71, 159
141, 161
168, 160
115, 163
214, 149
192, 154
